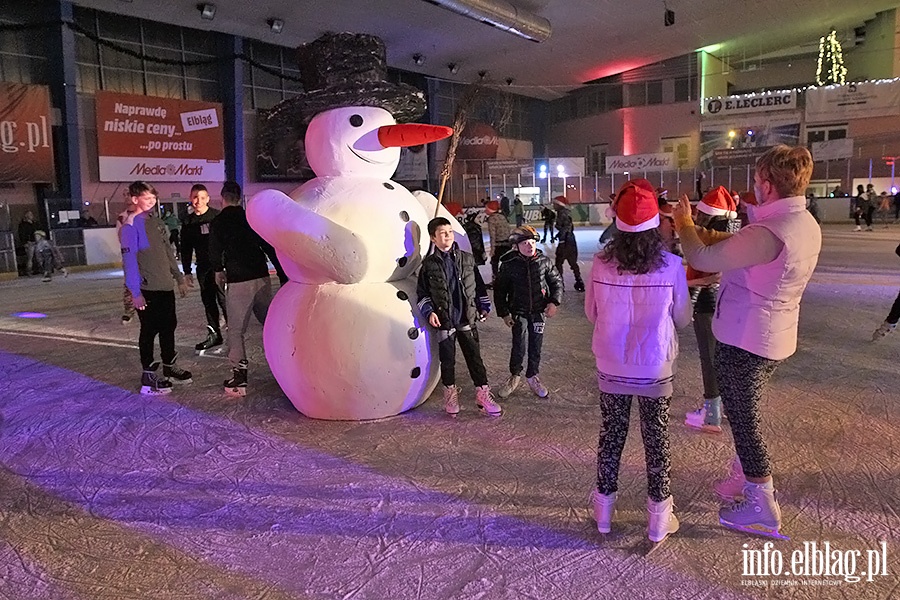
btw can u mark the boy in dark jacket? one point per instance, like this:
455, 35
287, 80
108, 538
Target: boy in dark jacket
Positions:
238, 257
528, 286
453, 298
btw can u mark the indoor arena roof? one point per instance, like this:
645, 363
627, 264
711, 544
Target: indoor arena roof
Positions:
588, 39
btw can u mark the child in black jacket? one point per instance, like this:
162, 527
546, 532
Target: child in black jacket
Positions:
452, 297
528, 286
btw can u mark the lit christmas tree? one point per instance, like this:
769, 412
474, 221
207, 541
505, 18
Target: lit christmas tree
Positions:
830, 67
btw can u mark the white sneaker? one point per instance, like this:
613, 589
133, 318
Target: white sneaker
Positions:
732, 487
485, 401
509, 386
662, 521
858, 228
604, 506
537, 387
451, 400
883, 329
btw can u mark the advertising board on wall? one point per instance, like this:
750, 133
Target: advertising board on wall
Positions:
26, 143
636, 163
159, 139
746, 103
853, 101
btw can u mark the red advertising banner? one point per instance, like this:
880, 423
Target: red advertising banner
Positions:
26, 145
159, 139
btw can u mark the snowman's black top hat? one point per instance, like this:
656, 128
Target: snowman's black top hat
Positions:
347, 69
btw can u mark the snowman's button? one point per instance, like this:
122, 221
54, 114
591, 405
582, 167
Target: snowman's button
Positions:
415, 372
388, 186
402, 261
405, 216
402, 295
413, 333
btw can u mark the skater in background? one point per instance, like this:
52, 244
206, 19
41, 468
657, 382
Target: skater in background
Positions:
173, 225
499, 230
518, 212
195, 239
47, 256
127, 301
637, 298
549, 216
27, 228
890, 322
567, 249
476, 237
765, 268
716, 213
528, 291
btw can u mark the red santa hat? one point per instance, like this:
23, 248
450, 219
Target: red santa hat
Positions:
454, 208
637, 208
492, 207
718, 202
561, 200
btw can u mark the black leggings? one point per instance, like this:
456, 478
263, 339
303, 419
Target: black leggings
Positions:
158, 318
655, 433
742, 376
894, 315
530, 329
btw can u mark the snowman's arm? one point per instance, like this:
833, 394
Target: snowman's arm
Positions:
324, 250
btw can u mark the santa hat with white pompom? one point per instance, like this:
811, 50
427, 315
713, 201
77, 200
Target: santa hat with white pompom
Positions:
718, 202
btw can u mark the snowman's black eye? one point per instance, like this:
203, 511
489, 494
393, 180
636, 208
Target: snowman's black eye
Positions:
356, 121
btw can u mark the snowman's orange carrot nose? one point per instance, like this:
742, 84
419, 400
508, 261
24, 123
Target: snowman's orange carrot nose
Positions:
411, 134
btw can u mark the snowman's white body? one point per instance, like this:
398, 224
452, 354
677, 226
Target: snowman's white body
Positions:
344, 338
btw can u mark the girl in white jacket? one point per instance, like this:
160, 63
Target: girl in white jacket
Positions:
636, 298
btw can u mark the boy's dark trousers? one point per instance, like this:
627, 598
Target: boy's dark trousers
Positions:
468, 343
158, 318
549, 225
568, 252
499, 250
532, 327
212, 298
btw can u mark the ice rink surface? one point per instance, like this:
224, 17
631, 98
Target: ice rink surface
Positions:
107, 494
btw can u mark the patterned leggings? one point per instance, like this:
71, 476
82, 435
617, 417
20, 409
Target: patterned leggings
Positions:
742, 376
655, 432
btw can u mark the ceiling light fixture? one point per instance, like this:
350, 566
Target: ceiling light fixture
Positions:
207, 11
454, 68
276, 25
418, 59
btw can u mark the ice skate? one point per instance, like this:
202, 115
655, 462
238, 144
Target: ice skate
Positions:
485, 401
579, 285
537, 387
883, 329
509, 386
237, 385
708, 418
757, 514
175, 373
451, 400
152, 384
732, 487
213, 339
662, 519
604, 507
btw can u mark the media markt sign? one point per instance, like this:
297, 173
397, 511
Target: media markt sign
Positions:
638, 163
764, 102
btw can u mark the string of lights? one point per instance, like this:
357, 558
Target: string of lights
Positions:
831, 55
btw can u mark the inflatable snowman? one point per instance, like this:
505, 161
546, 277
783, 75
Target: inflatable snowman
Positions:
344, 337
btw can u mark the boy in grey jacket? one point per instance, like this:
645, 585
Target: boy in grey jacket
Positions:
150, 266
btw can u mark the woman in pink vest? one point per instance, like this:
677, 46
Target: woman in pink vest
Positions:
765, 268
